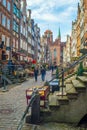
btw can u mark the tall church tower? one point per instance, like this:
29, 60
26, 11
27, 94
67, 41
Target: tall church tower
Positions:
59, 34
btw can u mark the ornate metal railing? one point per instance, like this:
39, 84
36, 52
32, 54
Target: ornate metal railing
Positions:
64, 70
70, 66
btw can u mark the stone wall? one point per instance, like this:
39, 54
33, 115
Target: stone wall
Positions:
69, 113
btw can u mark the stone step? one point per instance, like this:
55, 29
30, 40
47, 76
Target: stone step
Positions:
12, 79
53, 100
71, 91
60, 84
85, 73
28, 126
15, 126
82, 79
63, 100
79, 86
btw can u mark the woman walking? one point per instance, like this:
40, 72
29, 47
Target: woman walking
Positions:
43, 73
36, 73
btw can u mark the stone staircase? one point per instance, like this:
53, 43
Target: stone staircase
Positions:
10, 78
74, 86
66, 104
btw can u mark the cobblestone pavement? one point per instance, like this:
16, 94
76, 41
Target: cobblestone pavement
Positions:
13, 103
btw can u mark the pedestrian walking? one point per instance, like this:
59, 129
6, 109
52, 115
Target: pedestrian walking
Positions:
36, 73
11, 67
43, 73
52, 67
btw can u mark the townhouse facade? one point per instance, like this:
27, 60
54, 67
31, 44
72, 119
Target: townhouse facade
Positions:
15, 42
42, 50
83, 23
5, 29
47, 40
80, 25
78, 31
73, 41
68, 49
33, 38
64, 55
23, 47
29, 35
17, 33
37, 45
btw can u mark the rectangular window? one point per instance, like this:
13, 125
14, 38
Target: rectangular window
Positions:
14, 25
18, 13
24, 18
0, 17
21, 57
8, 42
3, 39
21, 29
14, 9
21, 44
8, 24
17, 28
13, 43
4, 2
24, 32
24, 45
17, 44
8, 6
3, 20
22, 5
55, 53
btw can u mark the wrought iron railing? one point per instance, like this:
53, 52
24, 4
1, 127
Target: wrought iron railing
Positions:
17, 72
64, 70
70, 66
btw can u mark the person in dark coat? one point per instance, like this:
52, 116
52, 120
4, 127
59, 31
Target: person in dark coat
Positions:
11, 67
52, 67
43, 73
36, 73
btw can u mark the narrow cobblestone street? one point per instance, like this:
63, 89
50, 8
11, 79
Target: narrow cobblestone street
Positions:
13, 103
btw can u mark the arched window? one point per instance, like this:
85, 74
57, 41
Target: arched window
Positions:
55, 52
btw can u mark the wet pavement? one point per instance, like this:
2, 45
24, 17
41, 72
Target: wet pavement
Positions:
13, 102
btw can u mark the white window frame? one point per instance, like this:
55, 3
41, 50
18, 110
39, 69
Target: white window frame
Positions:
8, 6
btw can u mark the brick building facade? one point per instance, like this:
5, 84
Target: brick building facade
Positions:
5, 29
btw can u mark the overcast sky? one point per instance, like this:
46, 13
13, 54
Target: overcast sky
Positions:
52, 14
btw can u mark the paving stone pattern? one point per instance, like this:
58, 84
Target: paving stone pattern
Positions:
13, 103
